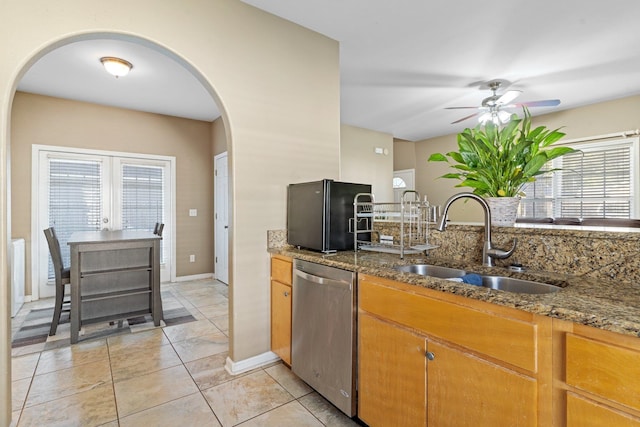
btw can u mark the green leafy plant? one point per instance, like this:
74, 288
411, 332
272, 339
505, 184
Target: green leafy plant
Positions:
497, 161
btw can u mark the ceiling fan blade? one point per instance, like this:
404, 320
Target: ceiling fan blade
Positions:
544, 103
508, 96
465, 118
460, 108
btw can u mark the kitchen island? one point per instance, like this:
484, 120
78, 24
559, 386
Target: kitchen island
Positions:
114, 275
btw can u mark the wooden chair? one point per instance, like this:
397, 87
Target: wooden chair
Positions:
63, 277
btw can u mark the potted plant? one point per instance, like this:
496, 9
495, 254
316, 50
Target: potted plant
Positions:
496, 162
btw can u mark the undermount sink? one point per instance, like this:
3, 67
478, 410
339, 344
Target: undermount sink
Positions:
432, 270
507, 284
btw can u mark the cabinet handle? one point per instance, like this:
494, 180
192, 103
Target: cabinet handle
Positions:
286, 294
430, 355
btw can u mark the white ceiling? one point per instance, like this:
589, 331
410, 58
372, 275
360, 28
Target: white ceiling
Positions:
402, 61
156, 83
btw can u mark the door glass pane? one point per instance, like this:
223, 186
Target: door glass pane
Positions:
75, 201
142, 198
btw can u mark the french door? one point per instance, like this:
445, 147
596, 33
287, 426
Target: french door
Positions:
91, 191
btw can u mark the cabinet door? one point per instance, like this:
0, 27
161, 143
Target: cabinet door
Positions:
281, 320
603, 369
392, 375
465, 390
585, 413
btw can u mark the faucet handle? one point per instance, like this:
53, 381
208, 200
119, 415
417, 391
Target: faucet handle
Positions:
502, 254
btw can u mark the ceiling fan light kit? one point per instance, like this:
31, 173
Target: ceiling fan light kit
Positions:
498, 117
491, 108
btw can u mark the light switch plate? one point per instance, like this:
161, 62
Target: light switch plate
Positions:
193, 212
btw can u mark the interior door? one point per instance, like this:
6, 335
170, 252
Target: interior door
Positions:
221, 220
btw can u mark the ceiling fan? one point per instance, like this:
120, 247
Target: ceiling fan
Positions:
492, 107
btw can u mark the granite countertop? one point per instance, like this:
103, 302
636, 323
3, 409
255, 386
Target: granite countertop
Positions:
606, 304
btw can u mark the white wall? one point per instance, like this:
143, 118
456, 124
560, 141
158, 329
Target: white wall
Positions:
359, 162
277, 85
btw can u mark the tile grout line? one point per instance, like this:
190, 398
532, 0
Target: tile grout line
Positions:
113, 383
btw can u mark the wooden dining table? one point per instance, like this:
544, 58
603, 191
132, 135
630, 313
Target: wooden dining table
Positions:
114, 275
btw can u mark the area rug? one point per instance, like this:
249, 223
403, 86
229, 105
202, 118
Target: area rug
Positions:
35, 328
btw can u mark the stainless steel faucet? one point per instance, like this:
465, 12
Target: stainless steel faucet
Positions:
488, 251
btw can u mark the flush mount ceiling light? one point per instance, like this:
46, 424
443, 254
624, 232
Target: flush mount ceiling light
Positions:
116, 66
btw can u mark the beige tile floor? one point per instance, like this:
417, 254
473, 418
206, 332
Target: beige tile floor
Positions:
168, 376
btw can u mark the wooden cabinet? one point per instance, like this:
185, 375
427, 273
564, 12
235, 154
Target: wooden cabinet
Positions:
465, 389
281, 297
598, 373
392, 374
445, 360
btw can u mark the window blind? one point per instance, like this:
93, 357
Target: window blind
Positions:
594, 182
75, 200
142, 198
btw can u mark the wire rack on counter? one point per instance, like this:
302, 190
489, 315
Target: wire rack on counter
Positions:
411, 214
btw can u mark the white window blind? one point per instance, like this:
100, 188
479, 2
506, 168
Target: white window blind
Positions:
596, 182
142, 198
75, 202
539, 200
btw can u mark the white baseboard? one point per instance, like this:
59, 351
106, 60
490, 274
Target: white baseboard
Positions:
194, 277
235, 368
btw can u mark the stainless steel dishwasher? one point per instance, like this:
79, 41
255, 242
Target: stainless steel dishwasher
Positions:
323, 341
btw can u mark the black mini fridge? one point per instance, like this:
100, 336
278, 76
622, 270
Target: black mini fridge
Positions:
319, 213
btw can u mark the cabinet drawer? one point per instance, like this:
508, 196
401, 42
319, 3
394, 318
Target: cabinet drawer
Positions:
606, 370
281, 270
509, 340
585, 413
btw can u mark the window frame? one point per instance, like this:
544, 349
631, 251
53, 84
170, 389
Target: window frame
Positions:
39, 190
598, 143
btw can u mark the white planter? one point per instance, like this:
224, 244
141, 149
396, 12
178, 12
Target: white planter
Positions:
504, 210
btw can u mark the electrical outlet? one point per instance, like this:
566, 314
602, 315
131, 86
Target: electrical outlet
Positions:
192, 258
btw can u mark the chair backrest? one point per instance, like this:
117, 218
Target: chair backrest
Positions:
54, 250
158, 229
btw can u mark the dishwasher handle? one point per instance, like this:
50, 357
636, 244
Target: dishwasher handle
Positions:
322, 280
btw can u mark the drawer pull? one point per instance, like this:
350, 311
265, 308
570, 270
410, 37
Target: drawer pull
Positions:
430, 355
286, 293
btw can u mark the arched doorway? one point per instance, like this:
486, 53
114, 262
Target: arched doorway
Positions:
204, 177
